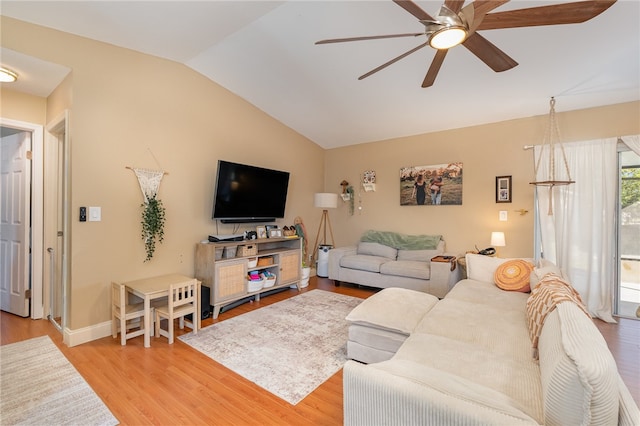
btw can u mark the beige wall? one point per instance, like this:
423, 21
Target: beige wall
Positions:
486, 151
130, 109
22, 107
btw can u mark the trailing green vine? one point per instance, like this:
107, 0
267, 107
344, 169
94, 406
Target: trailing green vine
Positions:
351, 198
152, 224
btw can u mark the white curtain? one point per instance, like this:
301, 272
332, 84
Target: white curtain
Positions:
580, 234
632, 142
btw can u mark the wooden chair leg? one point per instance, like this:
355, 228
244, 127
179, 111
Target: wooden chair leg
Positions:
123, 331
114, 326
170, 326
157, 325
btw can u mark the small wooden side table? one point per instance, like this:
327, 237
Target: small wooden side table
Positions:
462, 263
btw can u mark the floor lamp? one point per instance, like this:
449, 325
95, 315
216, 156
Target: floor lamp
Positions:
324, 201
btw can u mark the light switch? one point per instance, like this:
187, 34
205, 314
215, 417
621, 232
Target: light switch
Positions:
95, 214
503, 215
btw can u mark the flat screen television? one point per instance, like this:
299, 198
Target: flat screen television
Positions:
246, 194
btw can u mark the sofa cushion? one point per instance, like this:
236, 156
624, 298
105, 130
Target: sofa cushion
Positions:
482, 268
364, 262
488, 376
514, 275
407, 268
376, 249
488, 327
418, 255
395, 309
544, 267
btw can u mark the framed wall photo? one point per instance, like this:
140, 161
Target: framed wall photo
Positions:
261, 231
503, 189
275, 233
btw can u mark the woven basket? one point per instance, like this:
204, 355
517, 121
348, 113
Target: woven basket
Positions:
247, 250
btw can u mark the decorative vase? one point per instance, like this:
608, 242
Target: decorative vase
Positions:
304, 281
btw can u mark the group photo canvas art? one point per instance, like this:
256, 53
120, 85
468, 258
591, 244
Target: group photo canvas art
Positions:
439, 184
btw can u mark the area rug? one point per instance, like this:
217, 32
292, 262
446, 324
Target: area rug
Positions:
39, 386
288, 348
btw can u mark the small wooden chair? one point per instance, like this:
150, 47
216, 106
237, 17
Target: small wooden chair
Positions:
182, 302
122, 314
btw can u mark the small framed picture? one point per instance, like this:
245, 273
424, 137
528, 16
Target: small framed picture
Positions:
261, 231
503, 189
275, 233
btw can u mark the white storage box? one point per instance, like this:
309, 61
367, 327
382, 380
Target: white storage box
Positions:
254, 285
269, 282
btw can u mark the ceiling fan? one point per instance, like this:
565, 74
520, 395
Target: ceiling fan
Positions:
456, 24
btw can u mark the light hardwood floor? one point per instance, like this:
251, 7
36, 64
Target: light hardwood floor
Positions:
175, 384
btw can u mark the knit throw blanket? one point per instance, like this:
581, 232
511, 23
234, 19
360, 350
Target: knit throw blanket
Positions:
401, 241
550, 291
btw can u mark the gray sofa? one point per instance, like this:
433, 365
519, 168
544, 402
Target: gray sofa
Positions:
389, 259
467, 360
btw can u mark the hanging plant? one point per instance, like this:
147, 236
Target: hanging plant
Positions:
351, 199
153, 214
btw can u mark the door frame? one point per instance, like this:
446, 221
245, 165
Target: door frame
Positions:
37, 211
57, 130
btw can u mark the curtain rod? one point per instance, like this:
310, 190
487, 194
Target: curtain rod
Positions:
526, 147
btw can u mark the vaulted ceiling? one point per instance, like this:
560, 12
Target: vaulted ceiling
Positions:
264, 52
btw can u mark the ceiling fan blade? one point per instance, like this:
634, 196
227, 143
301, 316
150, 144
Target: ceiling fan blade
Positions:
476, 11
414, 9
482, 7
566, 13
488, 53
454, 5
430, 78
342, 40
393, 61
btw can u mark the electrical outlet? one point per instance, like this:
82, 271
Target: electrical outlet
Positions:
95, 214
503, 215
83, 214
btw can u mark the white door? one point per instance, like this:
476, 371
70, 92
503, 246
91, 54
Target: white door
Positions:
15, 212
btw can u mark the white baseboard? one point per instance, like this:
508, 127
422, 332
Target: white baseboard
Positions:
86, 334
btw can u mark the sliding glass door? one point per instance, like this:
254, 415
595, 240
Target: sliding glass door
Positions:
628, 294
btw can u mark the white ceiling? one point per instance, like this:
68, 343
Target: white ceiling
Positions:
264, 52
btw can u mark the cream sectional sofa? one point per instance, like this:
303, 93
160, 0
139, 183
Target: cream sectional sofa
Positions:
467, 360
388, 259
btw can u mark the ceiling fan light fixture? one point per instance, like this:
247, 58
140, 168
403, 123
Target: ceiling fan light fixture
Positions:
7, 76
448, 37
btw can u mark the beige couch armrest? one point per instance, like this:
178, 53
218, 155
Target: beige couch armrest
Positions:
443, 278
334, 260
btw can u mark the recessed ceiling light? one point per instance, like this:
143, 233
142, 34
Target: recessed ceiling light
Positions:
7, 76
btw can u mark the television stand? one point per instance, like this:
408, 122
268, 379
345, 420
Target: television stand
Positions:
227, 277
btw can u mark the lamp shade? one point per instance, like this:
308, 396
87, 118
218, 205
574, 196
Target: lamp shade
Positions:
497, 239
325, 200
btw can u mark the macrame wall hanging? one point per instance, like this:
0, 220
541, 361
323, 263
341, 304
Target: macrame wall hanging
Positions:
153, 213
551, 138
